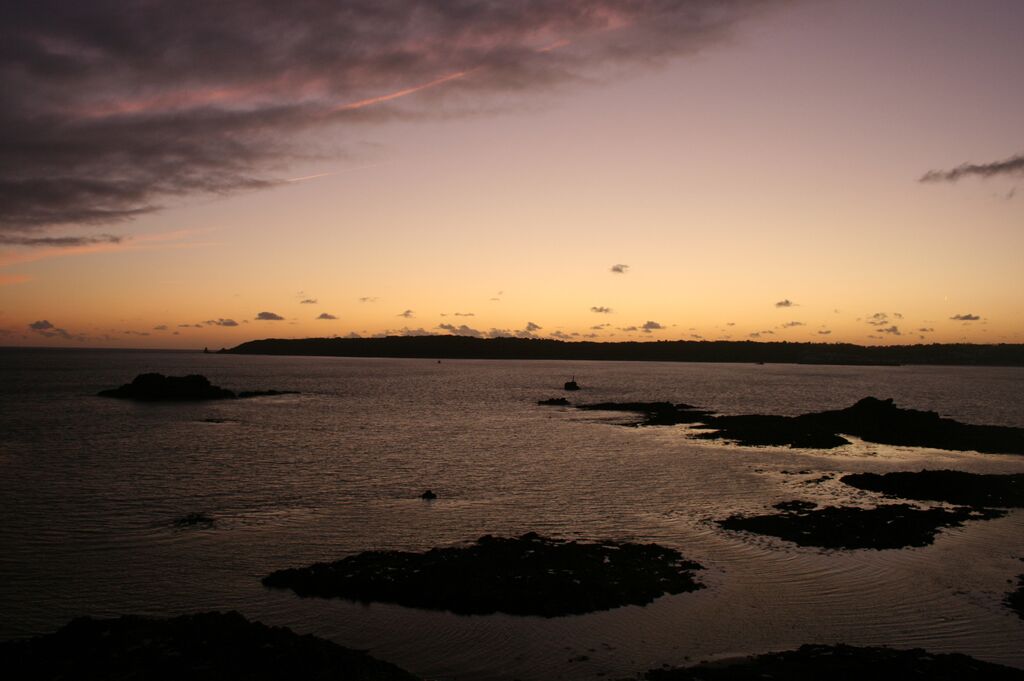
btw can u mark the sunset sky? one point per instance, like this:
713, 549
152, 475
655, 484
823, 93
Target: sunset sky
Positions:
183, 174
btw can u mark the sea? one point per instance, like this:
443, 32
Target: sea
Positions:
90, 489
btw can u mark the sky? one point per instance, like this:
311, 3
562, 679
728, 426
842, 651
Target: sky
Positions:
185, 174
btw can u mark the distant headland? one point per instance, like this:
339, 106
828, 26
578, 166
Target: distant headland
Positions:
464, 347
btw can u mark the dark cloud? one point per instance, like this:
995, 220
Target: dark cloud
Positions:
59, 241
232, 322
601, 309
891, 330
824, 332
878, 319
651, 326
308, 301
368, 299
326, 315
160, 327
1010, 166
109, 110
464, 314
790, 325
619, 269
598, 327
406, 313
531, 327
43, 327
785, 303
561, 335
965, 317
269, 317
925, 329
461, 330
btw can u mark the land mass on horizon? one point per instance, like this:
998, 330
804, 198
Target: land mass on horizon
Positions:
465, 347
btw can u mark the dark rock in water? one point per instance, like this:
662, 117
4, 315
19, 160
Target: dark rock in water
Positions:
883, 422
1015, 599
203, 647
157, 387
870, 419
844, 663
194, 520
160, 388
428, 495
771, 431
653, 413
554, 402
954, 487
528, 575
265, 393
891, 526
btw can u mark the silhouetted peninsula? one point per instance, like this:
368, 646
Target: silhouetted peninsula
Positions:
528, 575
465, 347
889, 526
203, 647
844, 663
954, 487
160, 388
871, 419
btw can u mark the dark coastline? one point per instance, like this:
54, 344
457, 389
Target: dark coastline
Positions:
464, 347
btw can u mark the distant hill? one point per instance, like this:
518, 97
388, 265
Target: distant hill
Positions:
464, 347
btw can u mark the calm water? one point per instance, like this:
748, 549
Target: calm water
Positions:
89, 489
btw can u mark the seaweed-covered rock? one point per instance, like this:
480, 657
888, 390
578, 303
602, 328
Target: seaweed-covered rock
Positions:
202, 647
889, 526
954, 487
157, 387
527, 575
844, 663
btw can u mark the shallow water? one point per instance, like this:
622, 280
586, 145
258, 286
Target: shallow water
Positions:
89, 489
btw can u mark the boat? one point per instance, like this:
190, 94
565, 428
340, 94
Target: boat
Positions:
572, 385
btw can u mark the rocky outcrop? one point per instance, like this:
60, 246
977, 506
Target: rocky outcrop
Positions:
527, 575
203, 647
889, 526
191, 388
954, 487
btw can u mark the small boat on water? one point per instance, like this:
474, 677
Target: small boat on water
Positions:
572, 385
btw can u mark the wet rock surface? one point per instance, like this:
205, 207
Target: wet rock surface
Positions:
889, 526
206, 647
554, 402
653, 413
527, 575
844, 663
1015, 599
954, 487
871, 419
194, 387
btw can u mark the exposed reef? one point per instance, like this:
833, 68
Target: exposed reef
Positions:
204, 647
844, 663
191, 388
654, 413
954, 487
554, 402
527, 575
871, 419
889, 526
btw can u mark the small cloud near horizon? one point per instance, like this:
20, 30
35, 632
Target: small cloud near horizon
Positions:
60, 241
619, 268
786, 302
1010, 166
790, 325
368, 299
461, 330
407, 314
308, 301
223, 322
601, 309
269, 317
965, 317
326, 315
651, 326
